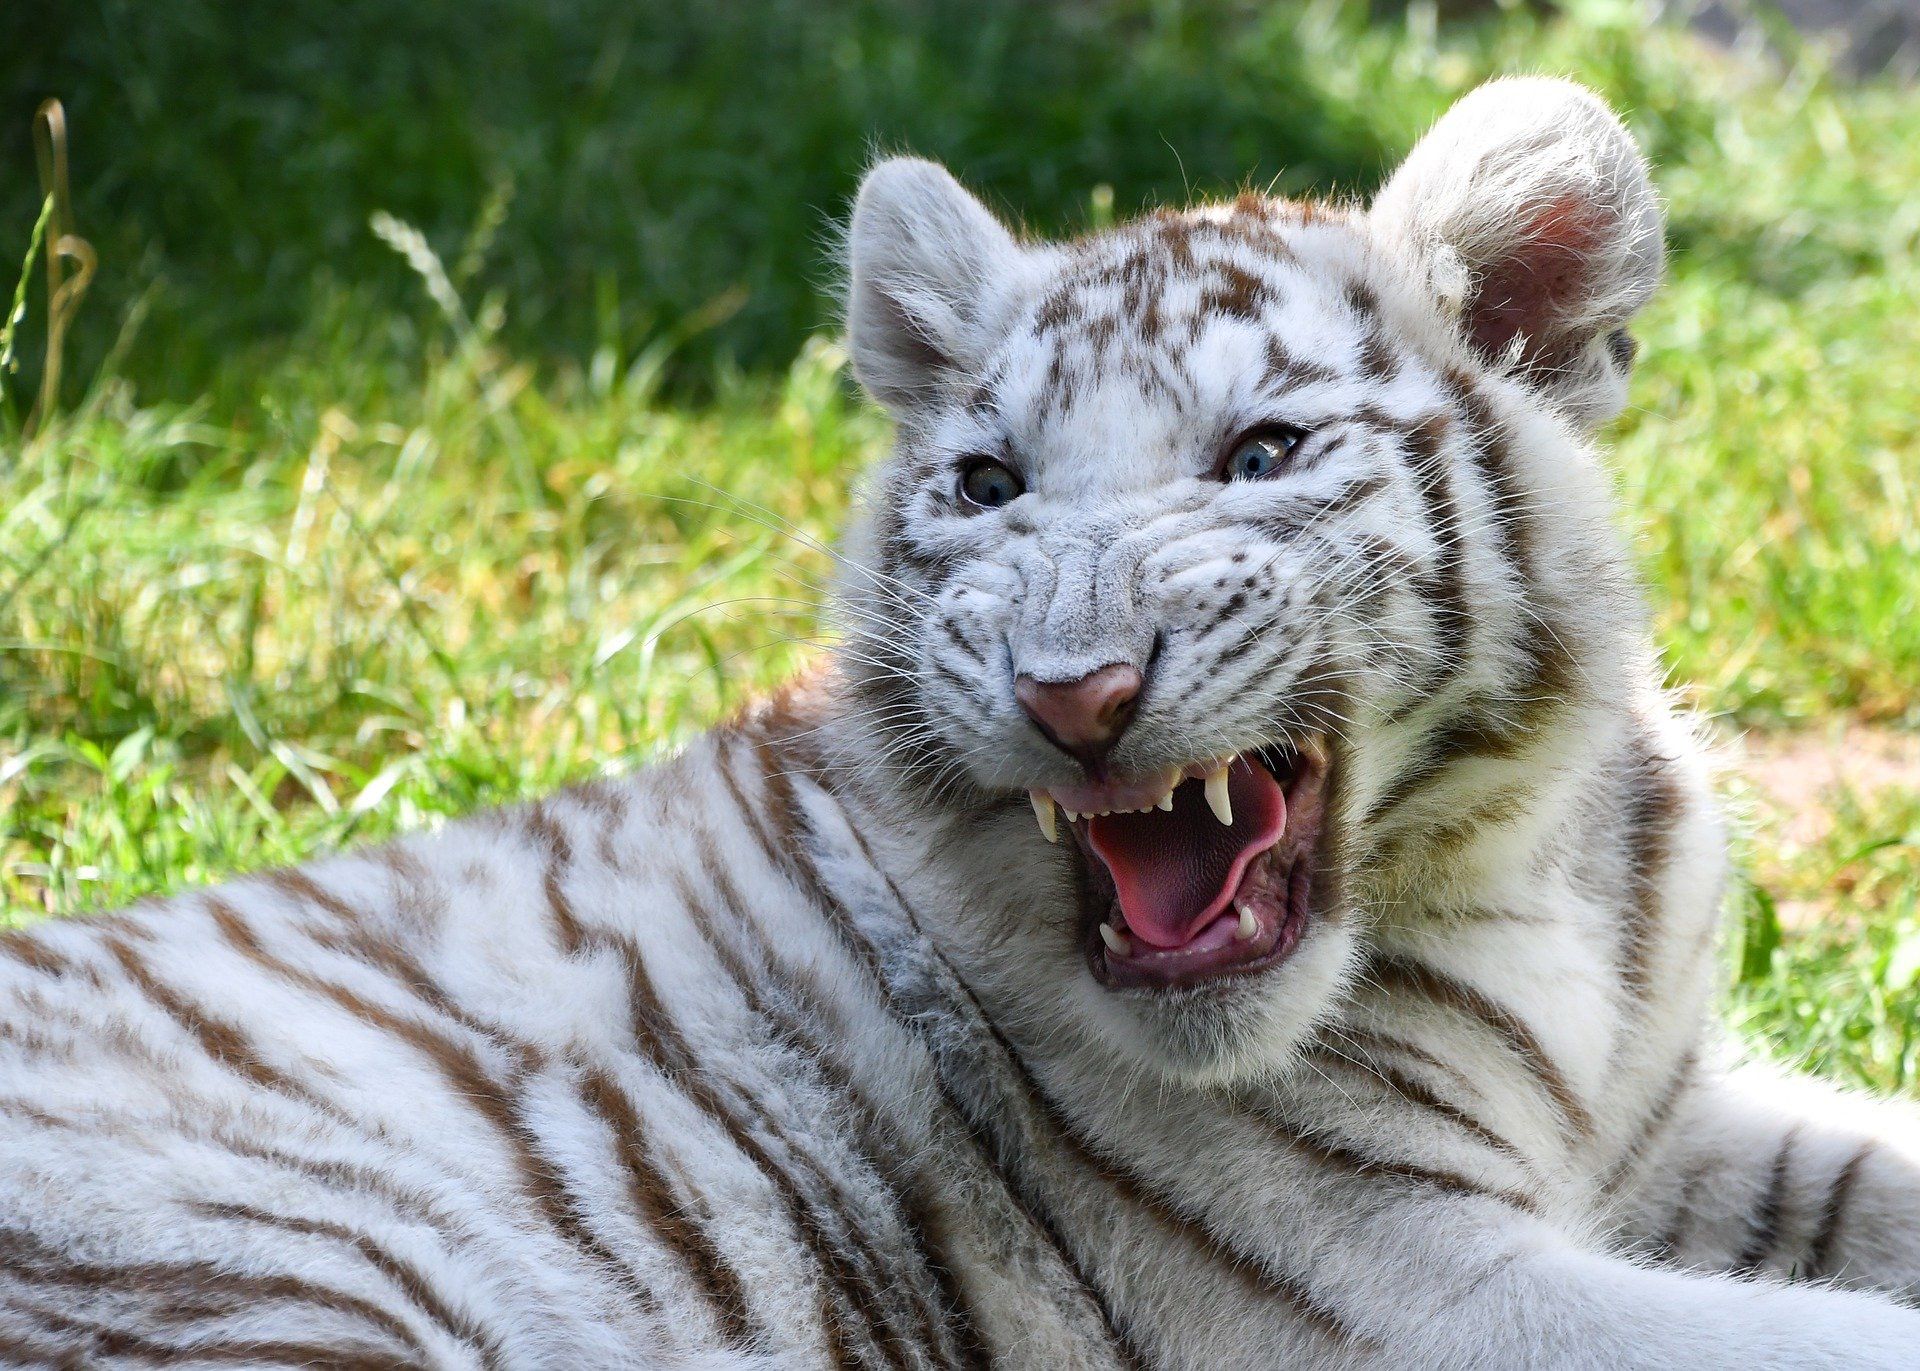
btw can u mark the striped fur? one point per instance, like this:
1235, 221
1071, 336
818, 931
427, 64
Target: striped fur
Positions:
787, 1052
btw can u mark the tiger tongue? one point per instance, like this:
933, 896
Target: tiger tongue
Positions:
1175, 871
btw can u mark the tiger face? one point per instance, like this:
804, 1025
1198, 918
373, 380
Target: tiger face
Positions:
1255, 547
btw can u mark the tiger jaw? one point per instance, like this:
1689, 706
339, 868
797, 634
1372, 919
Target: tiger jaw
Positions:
1200, 873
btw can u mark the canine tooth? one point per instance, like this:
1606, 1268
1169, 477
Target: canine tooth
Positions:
1217, 798
1043, 811
1248, 925
1166, 800
1114, 942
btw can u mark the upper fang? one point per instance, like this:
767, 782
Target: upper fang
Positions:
1217, 798
1043, 811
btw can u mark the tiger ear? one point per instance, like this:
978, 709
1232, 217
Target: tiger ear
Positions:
930, 270
1528, 210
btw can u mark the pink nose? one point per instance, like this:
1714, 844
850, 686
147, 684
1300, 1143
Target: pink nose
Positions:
1082, 718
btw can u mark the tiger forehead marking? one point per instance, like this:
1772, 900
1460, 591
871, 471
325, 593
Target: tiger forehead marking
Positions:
1136, 303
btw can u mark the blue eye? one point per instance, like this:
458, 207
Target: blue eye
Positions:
989, 484
1260, 454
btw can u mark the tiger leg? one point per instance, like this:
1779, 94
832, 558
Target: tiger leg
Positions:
1762, 1170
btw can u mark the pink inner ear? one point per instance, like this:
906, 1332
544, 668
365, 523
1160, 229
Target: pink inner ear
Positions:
1526, 291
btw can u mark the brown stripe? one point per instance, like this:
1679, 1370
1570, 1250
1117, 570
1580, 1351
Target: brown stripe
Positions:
862, 951
775, 829
986, 1139
17, 1350
1416, 978
1493, 457
659, 1039
470, 1081
1652, 1123
1765, 1234
1468, 735
369, 1182
1257, 1277
413, 1283
166, 1285
931, 1321
1654, 806
301, 888
1444, 588
1416, 1091
1826, 1238
1668, 1243
911, 1188
102, 1340
652, 1195
557, 853
223, 1042
1284, 370
23, 947
1337, 1156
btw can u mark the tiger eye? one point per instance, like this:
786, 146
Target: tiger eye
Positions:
1260, 454
989, 483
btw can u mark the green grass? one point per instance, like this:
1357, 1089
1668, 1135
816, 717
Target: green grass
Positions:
309, 557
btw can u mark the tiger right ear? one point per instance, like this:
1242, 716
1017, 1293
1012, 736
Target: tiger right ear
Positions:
930, 270
1528, 210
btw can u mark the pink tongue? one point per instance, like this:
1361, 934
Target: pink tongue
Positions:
1176, 871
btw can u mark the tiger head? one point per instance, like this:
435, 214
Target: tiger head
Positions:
1253, 556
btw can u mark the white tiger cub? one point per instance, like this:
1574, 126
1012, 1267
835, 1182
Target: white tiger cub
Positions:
1344, 1007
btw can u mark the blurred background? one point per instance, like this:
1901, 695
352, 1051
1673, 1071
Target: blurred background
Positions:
408, 408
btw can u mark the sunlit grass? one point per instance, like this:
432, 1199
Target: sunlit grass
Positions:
364, 624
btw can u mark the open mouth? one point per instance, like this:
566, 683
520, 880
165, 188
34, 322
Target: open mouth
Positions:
1197, 874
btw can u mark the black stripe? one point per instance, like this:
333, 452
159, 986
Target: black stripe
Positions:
1820, 1251
1765, 1231
1398, 975
1443, 590
1417, 1092
1338, 1156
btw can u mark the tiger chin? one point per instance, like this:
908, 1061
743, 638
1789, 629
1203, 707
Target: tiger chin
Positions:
1236, 894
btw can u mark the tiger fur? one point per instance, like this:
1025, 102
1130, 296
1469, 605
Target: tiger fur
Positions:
800, 1049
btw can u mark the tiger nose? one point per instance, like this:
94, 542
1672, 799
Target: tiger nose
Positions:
1083, 718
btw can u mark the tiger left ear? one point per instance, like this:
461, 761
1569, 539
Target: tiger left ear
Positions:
929, 271
1528, 210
